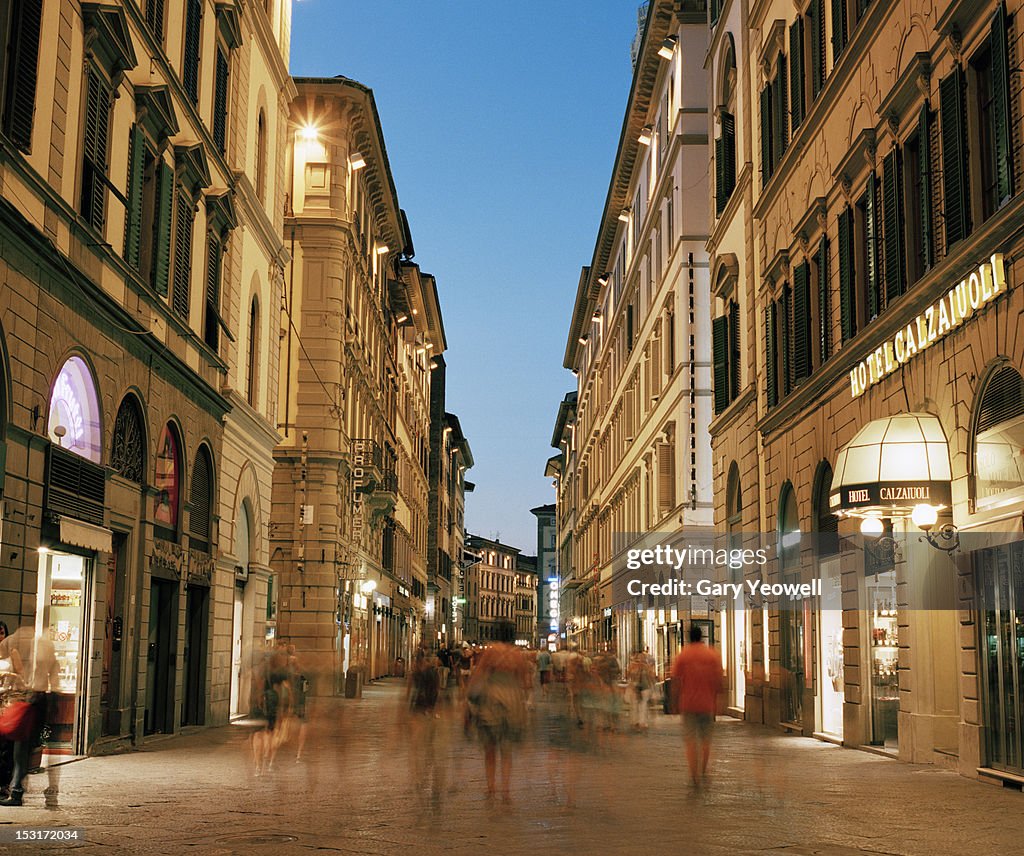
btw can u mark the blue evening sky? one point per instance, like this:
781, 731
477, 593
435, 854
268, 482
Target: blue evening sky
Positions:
501, 122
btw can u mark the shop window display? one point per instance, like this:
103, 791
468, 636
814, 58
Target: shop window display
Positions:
885, 681
61, 608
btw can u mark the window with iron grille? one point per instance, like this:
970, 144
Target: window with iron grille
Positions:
128, 449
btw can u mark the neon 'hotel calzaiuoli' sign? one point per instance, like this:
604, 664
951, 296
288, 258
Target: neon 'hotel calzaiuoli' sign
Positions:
982, 286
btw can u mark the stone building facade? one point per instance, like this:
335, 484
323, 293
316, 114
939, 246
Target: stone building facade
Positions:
361, 323
639, 343
872, 238
490, 591
124, 167
450, 457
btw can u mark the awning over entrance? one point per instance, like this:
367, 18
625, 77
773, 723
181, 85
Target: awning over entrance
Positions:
82, 534
891, 465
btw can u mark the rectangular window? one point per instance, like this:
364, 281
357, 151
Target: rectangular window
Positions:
220, 101
796, 72
155, 18
211, 324
780, 111
183, 222
767, 162
914, 178
771, 354
839, 29
955, 185
824, 303
848, 309
981, 67
720, 356
892, 202
801, 329
817, 28
190, 57
19, 38
725, 162
95, 143
734, 350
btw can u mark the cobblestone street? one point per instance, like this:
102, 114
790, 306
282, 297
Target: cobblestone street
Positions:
363, 788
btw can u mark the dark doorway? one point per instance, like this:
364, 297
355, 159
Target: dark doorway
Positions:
162, 662
113, 636
193, 711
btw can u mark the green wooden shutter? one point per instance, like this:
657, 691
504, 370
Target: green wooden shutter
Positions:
211, 326
22, 64
847, 304
720, 197
892, 204
1001, 105
136, 171
182, 254
729, 153
817, 47
838, 28
952, 117
796, 72
94, 149
786, 310
766, 135
780, 110
824, 302
162, 237
719, 353
771, 356
874, 301
155, 18
220, 102
924, 163
193, 35
734, 350
801, 322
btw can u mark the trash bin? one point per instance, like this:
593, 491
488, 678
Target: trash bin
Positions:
354, 683
668, 698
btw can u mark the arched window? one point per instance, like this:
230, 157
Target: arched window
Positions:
252, 363
201, 502
999, 439
167, 483
74, 419
789, 530
261, 157
826, 524
128, 448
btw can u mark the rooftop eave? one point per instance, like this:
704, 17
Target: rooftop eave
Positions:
660, 23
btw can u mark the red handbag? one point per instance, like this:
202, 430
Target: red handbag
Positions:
17, 721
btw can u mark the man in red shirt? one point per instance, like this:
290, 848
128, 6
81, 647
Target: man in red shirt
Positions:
697, 680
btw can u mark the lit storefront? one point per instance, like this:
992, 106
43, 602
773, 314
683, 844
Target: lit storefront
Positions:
72, 538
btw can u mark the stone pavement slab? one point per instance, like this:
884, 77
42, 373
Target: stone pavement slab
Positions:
372, 782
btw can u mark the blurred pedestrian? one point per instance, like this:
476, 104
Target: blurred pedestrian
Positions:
496, 698
298, 683
641, 678
544, 669
272, 698
697, 680
33, 659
